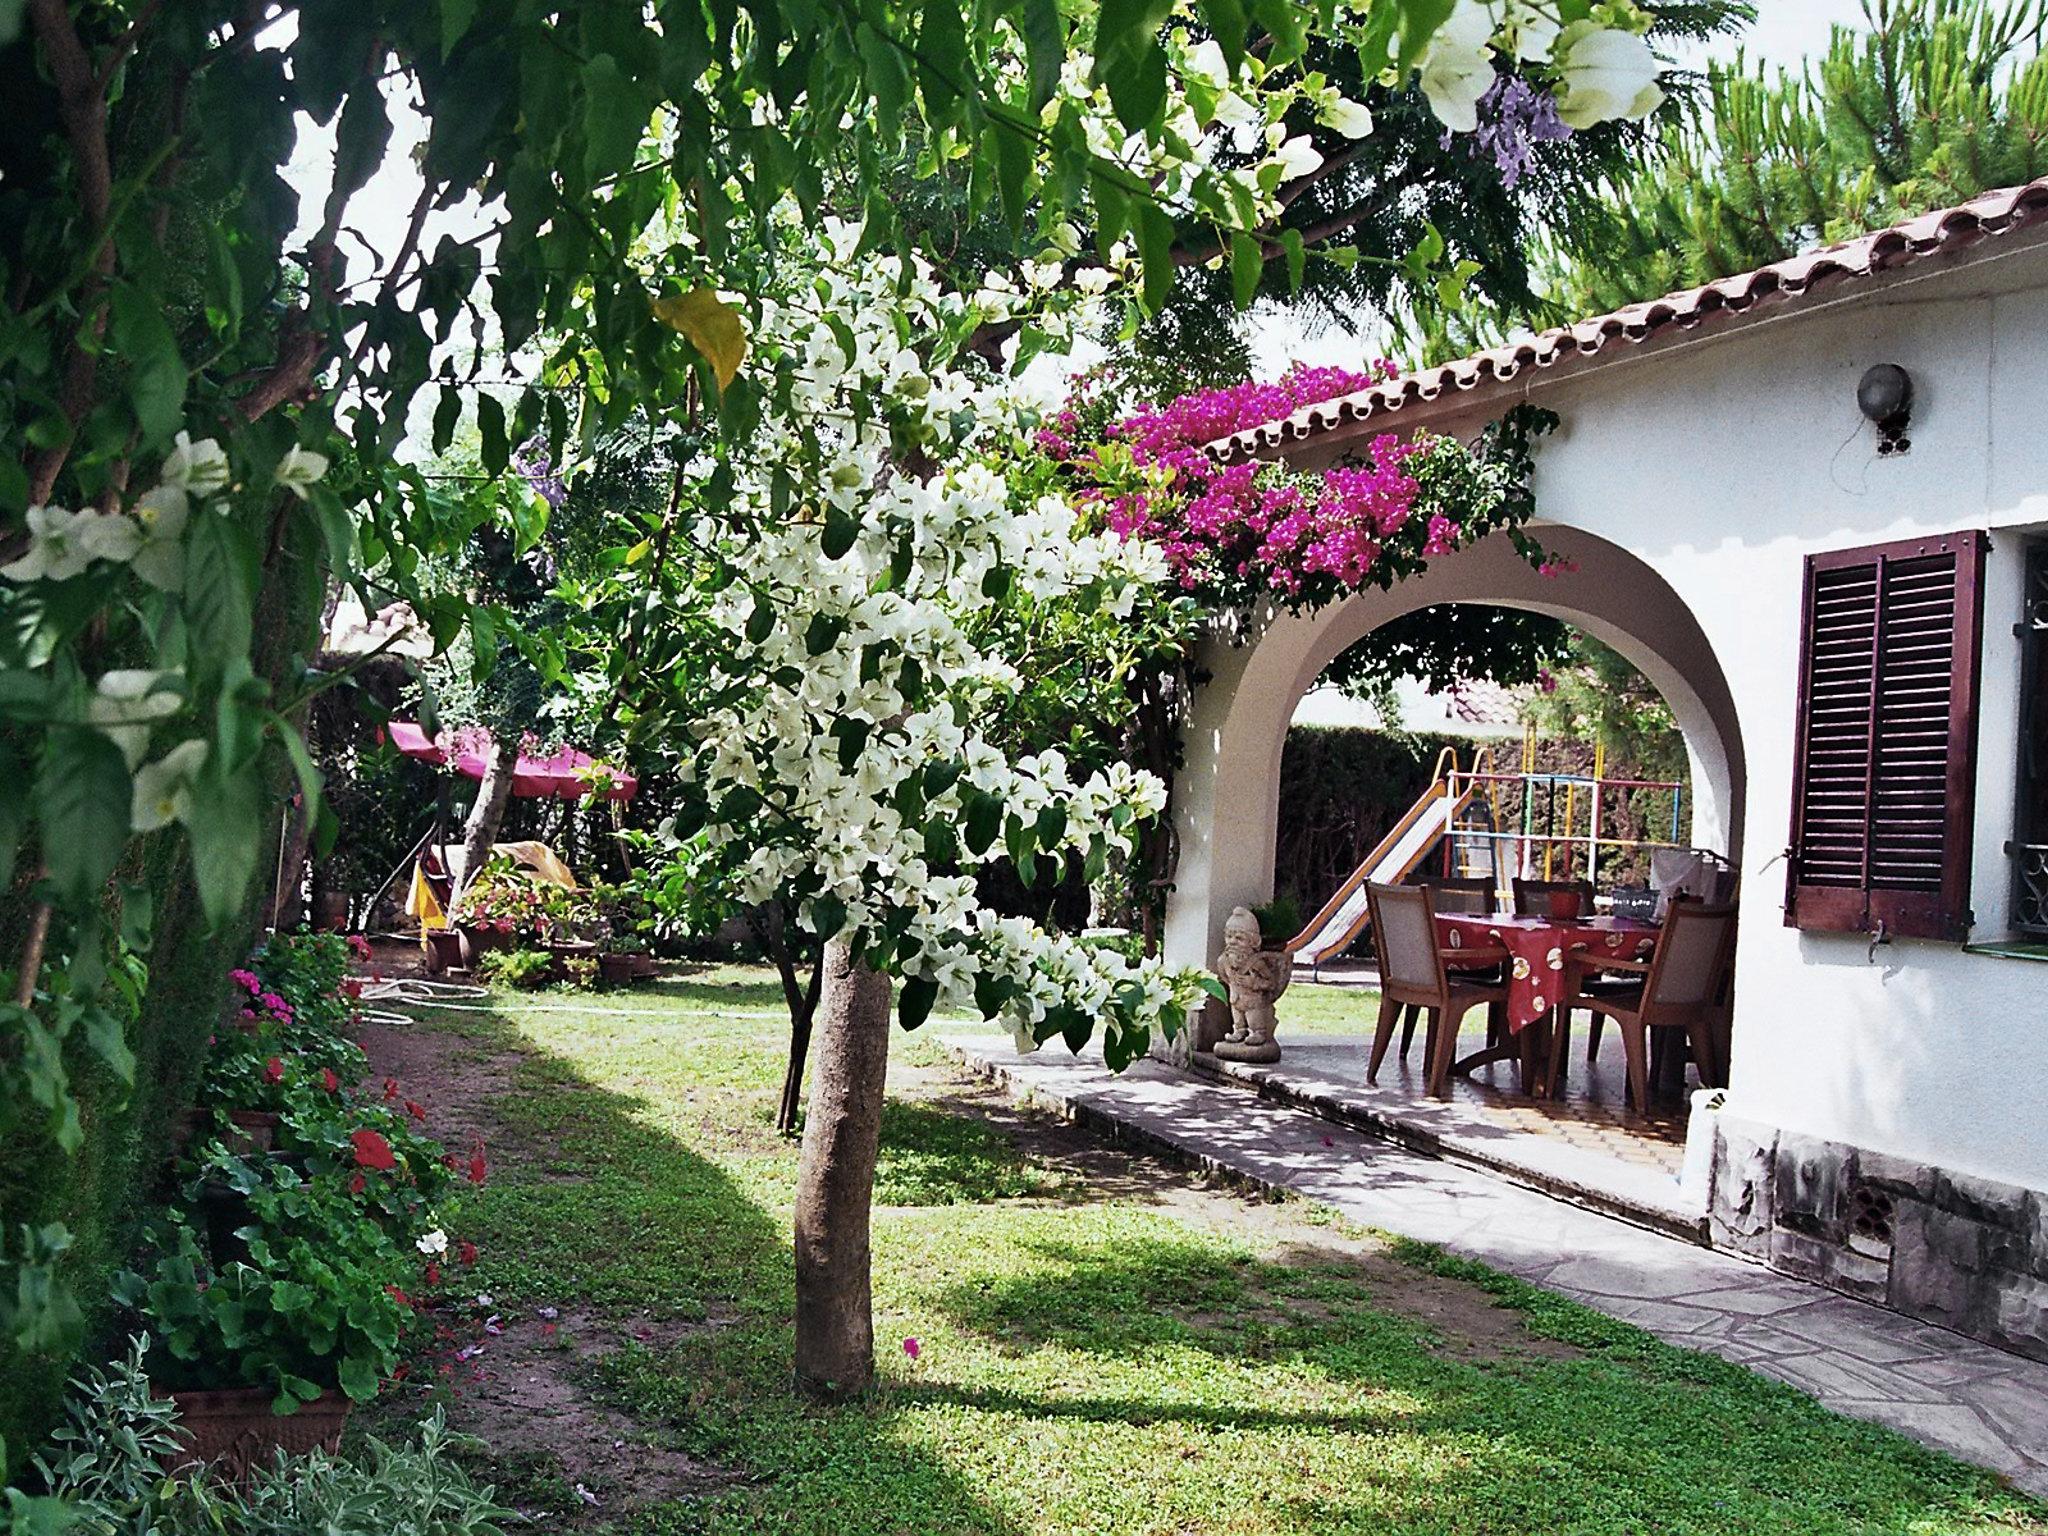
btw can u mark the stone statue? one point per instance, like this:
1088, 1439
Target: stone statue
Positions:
1255, 978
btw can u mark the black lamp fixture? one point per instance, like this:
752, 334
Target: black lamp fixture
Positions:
1885, 396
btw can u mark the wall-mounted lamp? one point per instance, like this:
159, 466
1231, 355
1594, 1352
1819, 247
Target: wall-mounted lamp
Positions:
1885, 396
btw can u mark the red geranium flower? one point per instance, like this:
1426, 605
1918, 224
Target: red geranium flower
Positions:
478, 1168
466, 1251
372, 1150
390, 1089
357, 1184
351, 988
329, 1080
415, 1110
433, 1273
273, 1070
398, 1296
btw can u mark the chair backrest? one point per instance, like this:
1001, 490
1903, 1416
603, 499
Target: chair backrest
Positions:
1404, 934
1532, 897
1691, 953
1469, 896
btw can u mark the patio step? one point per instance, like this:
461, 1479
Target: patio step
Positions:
1439, 1129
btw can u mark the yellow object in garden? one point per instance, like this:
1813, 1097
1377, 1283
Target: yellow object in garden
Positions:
420, 902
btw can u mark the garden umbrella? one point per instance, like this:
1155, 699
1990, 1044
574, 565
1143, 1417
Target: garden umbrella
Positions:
567, 773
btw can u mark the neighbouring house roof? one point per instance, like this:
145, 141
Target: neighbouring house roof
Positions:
1782, 285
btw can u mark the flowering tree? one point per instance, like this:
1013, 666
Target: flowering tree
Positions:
640, 167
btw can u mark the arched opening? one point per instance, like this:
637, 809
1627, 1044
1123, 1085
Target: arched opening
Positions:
1228, 810
1227, 795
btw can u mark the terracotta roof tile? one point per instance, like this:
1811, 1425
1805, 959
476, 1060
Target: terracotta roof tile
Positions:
1781, 283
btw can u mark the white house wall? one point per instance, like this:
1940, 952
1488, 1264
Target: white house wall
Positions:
1718, 466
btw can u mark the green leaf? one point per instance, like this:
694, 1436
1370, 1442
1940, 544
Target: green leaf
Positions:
760, 621
942, 56
217, 597
1420, 20
828, 915
456, 16
358, 1378
1155, 246
83, 798
447, 417
1045, 49
1297, 257
310, 779
1128, 58
915, 999
1226, 21
227, 826
1247, 266
494, 451
842, 528
156, 373
615, 116
361, 138
984, 821
109, 1042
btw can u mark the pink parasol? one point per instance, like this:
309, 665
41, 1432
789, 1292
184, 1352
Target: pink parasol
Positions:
566, 774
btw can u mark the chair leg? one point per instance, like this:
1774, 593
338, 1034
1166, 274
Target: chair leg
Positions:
1703, 1057
1594, 1021
1444, 1050
1381, 1038
1411, 1013
1636, 1048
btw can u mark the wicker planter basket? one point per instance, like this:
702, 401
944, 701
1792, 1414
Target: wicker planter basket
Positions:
233, 1431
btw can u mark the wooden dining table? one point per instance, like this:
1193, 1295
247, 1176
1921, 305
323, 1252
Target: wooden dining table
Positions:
1543, 953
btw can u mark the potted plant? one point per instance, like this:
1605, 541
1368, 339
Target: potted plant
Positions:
267, 1349
1279, 921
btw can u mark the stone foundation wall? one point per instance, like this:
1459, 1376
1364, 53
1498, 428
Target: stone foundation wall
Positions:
1970, 1254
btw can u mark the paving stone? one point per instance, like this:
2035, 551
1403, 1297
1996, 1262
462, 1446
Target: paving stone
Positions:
1953, 1393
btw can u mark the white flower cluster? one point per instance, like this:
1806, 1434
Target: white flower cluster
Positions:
1601, 72
149, 537
848, 757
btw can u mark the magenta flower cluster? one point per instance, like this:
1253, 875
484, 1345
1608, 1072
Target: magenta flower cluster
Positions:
260, 1006
1248, 528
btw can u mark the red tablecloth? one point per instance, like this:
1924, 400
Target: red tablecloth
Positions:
1538, 948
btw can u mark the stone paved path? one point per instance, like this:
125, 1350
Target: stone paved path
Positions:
1962, 1397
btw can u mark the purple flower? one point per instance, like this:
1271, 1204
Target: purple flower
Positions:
1514, 117
538, 470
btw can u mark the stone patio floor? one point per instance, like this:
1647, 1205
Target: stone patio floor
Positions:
1966, 1398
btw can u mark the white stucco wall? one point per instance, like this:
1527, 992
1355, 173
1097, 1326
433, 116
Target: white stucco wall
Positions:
1691, 483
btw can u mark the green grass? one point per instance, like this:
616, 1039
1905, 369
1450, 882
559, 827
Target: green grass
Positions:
1093, 1361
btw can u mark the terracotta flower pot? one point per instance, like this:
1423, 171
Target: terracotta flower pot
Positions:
1564, 905
255, 1130
617, 970
644, 967
233, 1431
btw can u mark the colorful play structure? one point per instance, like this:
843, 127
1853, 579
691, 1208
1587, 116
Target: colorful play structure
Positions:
1481, 824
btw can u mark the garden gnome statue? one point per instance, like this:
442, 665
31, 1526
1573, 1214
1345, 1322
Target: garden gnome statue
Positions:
1256, 977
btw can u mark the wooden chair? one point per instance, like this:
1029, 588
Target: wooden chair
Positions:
1413, 973
1682, 989
1532, 897
1470, 896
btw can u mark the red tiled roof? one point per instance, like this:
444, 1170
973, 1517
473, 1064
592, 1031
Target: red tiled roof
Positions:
1782, 283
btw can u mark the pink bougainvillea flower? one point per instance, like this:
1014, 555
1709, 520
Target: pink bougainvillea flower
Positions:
372, 1150
912, 1348
273, 1070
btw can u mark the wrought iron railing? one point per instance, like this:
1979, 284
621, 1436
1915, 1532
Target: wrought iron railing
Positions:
2030, 845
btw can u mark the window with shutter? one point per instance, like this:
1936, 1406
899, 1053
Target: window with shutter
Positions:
2030, 821
1885, 769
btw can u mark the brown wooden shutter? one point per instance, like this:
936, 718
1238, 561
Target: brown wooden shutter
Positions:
1885, 765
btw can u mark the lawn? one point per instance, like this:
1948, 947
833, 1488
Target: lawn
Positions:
1102, 1343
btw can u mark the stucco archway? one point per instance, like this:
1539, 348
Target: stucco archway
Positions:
1226, 799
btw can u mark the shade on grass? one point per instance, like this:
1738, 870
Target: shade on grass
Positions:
1090, 1362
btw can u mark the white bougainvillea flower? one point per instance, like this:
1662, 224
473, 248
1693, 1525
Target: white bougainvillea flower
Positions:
1296, 157
199, 468
1605, 74
1458, 69
1205, 62
106, 536
163, 789
161, 516
299, 468
53, 554
1530, 30
125, 703
1351, 118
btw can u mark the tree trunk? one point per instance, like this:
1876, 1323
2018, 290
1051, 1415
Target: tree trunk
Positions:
835, 1327
488, 814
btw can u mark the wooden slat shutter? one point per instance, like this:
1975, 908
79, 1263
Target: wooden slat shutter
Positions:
1885, 765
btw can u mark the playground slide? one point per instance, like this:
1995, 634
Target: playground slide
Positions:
1346, 913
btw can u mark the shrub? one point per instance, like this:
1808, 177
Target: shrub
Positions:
523, 968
